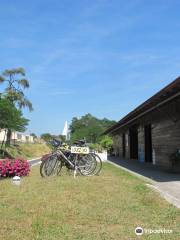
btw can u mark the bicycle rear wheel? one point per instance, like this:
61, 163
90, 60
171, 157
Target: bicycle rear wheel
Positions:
86, 164
98, 164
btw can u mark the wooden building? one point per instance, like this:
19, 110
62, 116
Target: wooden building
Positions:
151, 132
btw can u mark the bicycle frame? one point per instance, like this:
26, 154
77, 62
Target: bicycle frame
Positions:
59, 152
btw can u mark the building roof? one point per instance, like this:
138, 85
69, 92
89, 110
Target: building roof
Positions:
168, 93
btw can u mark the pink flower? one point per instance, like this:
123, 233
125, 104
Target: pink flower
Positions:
12, 167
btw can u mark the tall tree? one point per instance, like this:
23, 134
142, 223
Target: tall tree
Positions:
11, 118
15, 84
89, 127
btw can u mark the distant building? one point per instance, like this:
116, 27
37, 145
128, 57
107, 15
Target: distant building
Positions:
16, 137
151, 132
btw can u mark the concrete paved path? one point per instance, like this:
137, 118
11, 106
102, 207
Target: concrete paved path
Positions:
34, 162
167, 184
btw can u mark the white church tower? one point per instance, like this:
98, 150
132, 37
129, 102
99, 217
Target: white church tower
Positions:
65, 131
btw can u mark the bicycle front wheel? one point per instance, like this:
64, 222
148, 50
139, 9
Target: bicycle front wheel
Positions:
51, 166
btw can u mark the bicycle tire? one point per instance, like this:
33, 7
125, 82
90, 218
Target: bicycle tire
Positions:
50, 167
99, 164
86, 164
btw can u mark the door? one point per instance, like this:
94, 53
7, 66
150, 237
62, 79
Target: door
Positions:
148, 143
123, 145
133, 142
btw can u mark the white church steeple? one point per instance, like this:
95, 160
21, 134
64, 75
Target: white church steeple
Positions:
65, 131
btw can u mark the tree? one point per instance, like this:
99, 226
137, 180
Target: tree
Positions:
11, 118
33, 135
46, 137
15, 84
89, 127
62, 137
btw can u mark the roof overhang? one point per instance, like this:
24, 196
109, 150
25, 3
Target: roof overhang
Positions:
165, 95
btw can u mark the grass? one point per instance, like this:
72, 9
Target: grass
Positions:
108, 206
28, 150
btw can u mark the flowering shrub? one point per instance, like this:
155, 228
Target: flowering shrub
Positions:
14, 167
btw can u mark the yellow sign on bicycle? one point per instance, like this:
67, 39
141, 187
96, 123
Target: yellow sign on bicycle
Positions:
79, 150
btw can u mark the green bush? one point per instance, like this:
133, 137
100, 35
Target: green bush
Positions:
106, 143
96, 146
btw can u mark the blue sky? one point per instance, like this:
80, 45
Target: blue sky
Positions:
103, 57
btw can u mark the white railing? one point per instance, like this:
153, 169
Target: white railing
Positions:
102, 155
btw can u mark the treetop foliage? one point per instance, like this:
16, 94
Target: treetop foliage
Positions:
15, 83
14, 71
48, 136
89, 127
11, 117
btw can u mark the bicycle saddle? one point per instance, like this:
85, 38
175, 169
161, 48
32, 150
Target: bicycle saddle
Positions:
56, 143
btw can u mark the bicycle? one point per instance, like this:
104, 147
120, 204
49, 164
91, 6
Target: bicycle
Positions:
82, 143
52, 164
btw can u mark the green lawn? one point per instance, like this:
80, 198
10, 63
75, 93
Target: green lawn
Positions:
108, 206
